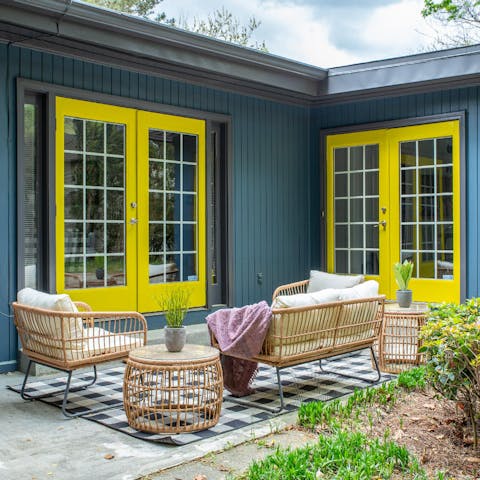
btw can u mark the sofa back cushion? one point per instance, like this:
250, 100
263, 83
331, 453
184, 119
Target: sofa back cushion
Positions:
306, 299
323, 280
366, 289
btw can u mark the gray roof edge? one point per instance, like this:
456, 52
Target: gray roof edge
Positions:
129, 25
413, 59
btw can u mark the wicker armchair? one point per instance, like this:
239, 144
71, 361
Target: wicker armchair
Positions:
67, 341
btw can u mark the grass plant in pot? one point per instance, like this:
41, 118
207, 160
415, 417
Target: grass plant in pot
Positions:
175, 305
403, 274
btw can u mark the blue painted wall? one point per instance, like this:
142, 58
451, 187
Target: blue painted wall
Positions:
409, 106
271, 168
8, 339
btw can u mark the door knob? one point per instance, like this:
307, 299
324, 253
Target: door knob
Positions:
133, 221
382, 223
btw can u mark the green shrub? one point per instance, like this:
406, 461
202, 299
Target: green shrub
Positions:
451, 342
412, 379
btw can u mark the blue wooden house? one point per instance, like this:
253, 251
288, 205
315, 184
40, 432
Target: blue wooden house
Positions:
135, 157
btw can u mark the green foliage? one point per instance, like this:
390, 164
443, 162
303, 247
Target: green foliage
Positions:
221, 24
224, 26
403, 273
174, 303
413, 379
452, 10
142, 8
451, 342
459, 22
344, 455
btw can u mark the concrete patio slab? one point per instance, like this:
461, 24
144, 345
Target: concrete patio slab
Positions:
37, 442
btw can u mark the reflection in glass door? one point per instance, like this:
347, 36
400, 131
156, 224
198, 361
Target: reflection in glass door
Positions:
426, 195
393, 195
356, 193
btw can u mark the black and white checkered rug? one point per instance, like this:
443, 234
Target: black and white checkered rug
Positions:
301, 384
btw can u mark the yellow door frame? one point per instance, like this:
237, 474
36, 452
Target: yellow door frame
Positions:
112, 297
388, 141
150, 293
138, 293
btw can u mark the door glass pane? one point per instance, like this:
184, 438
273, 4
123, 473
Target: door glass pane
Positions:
94, 204
356, 198
172, 207
426, 198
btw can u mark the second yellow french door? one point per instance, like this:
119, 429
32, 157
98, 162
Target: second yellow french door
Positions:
393, 194
130, 203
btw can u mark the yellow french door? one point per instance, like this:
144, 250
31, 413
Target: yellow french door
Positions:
171, 208
393, 194
130, 197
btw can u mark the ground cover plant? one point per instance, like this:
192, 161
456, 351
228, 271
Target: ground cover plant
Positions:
398, 430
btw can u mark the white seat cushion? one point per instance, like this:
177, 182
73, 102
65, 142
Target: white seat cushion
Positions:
323, 280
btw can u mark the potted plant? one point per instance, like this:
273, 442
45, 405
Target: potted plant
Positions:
175, 305
403, 274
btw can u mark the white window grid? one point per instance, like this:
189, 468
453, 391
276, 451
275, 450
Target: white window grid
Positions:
434, 251
366, 251
181, 253
85, 256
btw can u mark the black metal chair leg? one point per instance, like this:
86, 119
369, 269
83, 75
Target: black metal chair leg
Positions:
369, 380
25, 396
280, 390
65, 392
248, 403
27, 373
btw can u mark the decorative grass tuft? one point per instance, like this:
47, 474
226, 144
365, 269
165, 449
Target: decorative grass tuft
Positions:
343, 455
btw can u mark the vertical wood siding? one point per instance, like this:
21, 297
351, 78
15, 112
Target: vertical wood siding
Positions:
409, 106
270, 169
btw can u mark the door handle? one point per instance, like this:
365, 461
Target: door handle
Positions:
382, 223
133, 221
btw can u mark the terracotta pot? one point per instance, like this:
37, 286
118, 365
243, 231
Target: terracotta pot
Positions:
175, 338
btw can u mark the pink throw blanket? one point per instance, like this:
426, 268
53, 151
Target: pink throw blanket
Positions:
240, 333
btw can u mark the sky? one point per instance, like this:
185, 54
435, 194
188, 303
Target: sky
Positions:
324, 33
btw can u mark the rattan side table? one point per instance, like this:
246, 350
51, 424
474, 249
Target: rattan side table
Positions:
166, 392
399, 339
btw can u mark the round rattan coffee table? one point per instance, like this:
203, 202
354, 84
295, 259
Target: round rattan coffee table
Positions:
399, 339
165, 392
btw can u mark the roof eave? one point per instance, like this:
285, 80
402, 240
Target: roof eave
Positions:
87, 24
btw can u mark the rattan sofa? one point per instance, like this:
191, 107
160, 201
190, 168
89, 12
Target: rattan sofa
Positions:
68, 341
303, 334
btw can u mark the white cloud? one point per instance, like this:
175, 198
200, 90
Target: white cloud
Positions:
306, 32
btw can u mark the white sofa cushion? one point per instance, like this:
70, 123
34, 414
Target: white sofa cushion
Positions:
366, 289
323, 280
305, 299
